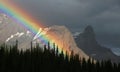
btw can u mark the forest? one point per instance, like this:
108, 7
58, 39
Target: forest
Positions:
47, 59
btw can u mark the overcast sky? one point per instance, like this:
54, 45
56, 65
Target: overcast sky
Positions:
103, 15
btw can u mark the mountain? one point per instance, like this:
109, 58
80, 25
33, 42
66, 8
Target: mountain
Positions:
8, 27
88, 43
10, 31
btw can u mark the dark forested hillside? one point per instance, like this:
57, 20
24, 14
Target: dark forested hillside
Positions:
46, 59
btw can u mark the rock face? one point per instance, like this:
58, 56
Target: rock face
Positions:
87, 42
64, 38
10, 31
8, 27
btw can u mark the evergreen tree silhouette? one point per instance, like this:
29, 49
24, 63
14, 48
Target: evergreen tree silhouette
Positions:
49, 60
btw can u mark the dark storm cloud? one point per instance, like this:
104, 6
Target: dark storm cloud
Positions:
103, 15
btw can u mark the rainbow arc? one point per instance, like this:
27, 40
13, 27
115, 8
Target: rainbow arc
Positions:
27, 21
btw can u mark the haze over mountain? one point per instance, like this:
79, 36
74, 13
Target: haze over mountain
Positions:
11, 31
88, 43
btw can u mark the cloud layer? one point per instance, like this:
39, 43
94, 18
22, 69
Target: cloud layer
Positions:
103, 15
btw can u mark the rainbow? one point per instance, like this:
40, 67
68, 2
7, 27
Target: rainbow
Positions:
28, 22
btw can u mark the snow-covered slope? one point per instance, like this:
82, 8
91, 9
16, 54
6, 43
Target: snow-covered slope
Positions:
10, 31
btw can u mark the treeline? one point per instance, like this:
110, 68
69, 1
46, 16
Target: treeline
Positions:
48, 59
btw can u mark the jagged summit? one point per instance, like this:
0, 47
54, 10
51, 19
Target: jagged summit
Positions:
87, 38
89, 32
88, 43
89, 29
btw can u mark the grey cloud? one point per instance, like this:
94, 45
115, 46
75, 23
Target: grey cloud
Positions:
103, 15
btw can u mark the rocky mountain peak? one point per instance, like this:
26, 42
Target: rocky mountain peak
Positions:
87, 37
88, 43
89, 28
89, 32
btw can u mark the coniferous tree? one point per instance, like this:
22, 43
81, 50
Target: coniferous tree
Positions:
49, 60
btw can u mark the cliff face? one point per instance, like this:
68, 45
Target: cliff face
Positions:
63, 37
88, 43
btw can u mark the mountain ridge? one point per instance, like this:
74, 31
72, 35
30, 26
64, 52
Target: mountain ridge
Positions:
57, 34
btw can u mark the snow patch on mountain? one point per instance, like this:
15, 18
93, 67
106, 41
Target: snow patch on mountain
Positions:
18, 34
28, 33
41, 32
116, 51
76, 34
